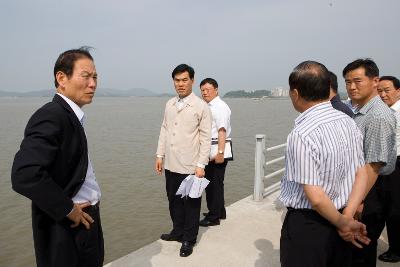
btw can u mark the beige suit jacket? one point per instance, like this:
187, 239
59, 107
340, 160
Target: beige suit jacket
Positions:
185, 135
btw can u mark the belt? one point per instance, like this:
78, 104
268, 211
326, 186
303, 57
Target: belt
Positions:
93, 207
310, 210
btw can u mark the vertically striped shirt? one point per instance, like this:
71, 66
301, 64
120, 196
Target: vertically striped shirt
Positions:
324, 148
378, 126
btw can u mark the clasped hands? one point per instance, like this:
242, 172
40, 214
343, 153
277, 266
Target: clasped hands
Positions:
351, 230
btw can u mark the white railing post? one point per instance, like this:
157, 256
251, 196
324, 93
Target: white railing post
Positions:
259, 168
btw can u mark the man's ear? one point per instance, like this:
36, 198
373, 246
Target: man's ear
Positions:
398, 93
295, 94
375, 81
61, 78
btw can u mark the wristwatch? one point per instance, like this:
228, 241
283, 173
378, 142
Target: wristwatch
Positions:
220, 152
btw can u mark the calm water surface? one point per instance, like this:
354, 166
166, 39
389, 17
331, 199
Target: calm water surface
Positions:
122, 136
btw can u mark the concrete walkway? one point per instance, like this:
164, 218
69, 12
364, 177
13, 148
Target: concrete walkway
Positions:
249, 237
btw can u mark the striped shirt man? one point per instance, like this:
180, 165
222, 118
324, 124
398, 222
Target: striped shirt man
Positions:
325, 148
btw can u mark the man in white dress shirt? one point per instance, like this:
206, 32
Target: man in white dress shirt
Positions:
215, 170
389, 189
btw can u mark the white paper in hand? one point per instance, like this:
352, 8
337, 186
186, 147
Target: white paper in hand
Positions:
198, 186
189, 184
192, 186
184, 187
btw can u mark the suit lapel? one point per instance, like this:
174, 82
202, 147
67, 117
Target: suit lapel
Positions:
74, 119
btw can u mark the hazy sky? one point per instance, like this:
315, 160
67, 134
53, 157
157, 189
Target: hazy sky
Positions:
243, 44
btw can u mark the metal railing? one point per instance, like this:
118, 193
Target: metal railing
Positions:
260, 169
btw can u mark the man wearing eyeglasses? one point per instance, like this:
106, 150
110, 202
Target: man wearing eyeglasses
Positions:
389, 91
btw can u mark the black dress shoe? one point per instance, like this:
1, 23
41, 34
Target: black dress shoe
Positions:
186, 249
389, 256
205, 222
169, 237
223, 216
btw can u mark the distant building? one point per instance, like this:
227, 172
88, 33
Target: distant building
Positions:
280, 92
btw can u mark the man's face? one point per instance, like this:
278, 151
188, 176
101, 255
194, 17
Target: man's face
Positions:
80, 87
388, 92
208, 92
183, 84
360, 88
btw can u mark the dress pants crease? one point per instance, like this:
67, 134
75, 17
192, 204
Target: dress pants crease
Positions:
215, 190
184, 212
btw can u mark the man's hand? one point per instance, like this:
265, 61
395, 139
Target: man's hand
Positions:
78, 216
219, 158
199, 172
353, 231
159, 165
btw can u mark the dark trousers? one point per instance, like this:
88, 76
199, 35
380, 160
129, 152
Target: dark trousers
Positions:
392, 190
382, 205
309, 240
184, 212
215, 190
57, 244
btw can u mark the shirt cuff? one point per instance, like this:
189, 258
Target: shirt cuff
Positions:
200, 165
159, 156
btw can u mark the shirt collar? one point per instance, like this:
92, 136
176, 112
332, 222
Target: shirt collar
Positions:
364, 109
351, 105
77, 110
396, 106
335, 98
187, 99
311, 110
216, 99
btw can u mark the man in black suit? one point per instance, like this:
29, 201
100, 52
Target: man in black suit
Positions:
53, 169
335, 98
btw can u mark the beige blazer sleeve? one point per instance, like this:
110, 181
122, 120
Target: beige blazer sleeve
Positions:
162, 137
205, 135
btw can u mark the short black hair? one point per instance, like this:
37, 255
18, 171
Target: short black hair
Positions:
183, 68
211, 81
333, 81
370, 67
311, 79
394, 80
66, 61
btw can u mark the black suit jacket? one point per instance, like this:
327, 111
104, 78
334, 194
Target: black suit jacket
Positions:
339, 105
50, 168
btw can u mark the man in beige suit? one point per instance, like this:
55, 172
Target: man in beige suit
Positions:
183, 148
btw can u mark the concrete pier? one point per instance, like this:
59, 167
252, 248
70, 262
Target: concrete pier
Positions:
248, 237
